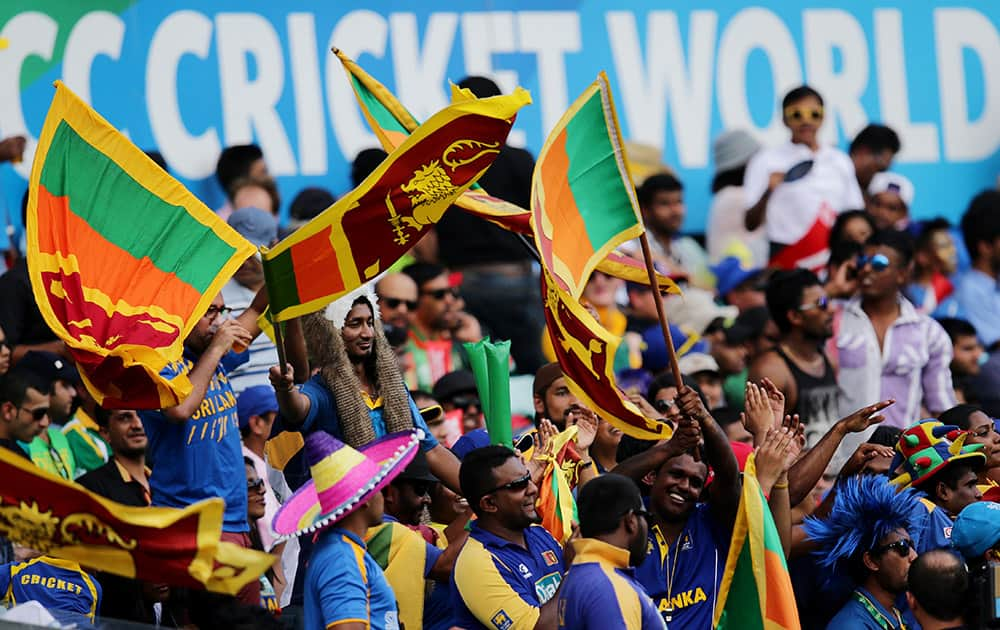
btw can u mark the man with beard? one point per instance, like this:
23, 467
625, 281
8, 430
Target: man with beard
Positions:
510, 569
430, 341
56, 376
600, 589
797, 366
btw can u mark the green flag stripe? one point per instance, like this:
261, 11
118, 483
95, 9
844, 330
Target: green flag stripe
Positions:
130, 216
379, 546
743, 603
600, 194
378, 111
282, 289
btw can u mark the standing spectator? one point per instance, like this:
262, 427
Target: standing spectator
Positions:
397, 299
305, 207
56, 584
704, 370
872, 151
51, 450
967, 353
797, 365
855, 226
260, 228
796, 189
430, 344
500, 286
726, 235
600, 589
886, 349
935, 258
89, 449
977, 291
890, 196
24, 413
937, 590
20, 319
248, 192
510, 569
255, 512
245, 160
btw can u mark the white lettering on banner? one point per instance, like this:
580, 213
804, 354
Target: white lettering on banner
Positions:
749, 30
646, 86
310, 119
920, 140
356, 33
181, 33
249, 106
483, 35
28, 34
550, 35
826, 30
420, 77
97, 33
958, 30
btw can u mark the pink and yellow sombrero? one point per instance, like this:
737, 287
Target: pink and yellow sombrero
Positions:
343, 479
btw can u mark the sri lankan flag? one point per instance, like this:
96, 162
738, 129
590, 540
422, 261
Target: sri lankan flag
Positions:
123, 259
180, 547
556, 504
583, 201
756, 591
402, 554
586, 352
372, 226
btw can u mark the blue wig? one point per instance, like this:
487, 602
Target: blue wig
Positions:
865, 511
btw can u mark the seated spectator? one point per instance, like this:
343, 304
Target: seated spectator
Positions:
937, 590
934, 260
56, 376
726, 235
397, 299
307, 205
980, 430
890, 196
872, 151
61, 585
704, 370
967, 355
456, 392
256, 512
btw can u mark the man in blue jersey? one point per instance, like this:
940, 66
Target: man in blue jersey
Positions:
691, 525
56, 584
600, 591
509, 571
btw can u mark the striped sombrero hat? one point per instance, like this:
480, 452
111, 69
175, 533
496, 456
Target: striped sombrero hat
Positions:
343, 479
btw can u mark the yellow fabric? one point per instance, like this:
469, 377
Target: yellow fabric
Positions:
484, 590
404, 568
282, 447
610, 558
610, 317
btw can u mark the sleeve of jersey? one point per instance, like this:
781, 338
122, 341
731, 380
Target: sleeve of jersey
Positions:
343, 596
320, 403
486, 592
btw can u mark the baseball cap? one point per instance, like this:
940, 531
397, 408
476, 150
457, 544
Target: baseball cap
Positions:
695, 362
48, 367
255, 401
477, 438
730, 273
976, 529
654, 355
887, 181
454, 383
256, 225
418, 469
696, 309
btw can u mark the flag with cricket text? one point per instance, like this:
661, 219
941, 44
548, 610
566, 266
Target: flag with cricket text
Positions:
755, 591
123, 260
583, 202
182, 548
586, 351
371, 227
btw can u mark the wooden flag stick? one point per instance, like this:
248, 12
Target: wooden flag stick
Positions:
279, 344
660, 313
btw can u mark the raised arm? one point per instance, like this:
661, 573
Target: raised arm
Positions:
228, 333
724, 493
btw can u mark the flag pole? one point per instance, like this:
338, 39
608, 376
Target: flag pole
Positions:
660, 313
279, 339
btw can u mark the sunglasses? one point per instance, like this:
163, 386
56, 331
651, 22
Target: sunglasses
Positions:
37, 413
879, 262
799, 114
255, 486
464, 402
902, 548
214, 311
421, 488
517, 485
411, 305
822, 304
663, 406
440, 294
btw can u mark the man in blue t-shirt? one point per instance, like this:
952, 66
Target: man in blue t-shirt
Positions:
195, 446
688, 541
58, 585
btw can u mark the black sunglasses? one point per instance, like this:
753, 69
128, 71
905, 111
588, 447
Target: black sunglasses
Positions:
464, 402
517, 485
663, 406
902, 548
440, 294
411, 305
213, 311
255, 485
37, 413
421, 488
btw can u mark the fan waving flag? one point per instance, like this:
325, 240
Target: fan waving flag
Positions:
583, 203
372, 226
585, 351
123, 260
756, 591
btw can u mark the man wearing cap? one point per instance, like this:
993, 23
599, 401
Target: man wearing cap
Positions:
430, 345
344, 585
456, 391
260, 228
725, 233
737, 285
50, 450
890, 196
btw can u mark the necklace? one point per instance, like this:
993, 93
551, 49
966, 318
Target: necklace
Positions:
661, 542
877, 615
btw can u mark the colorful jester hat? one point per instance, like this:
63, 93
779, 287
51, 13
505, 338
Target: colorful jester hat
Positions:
927, 447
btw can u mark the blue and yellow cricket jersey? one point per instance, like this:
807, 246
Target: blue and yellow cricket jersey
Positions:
600, 592
500, 585
54, 583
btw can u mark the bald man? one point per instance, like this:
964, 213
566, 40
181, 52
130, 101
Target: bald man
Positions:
397, 299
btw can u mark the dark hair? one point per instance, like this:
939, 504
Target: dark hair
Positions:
927, 230
981, 221
840, 224
784, 293
894, 239
365, 163
666, 379
602, 503
482, 87
661, 182
843, 251
102, 416
475, 476
234, 162
959, 415
157, 158
939, 581
421, 272
956, 328
631, 446
726, 416
876, 138
732, 177
949, 475
14, 386
800, 93
310, 202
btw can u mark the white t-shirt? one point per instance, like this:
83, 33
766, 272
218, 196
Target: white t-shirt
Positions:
726, 234
793, 207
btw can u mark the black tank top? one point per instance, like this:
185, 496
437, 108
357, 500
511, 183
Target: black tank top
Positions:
817, 403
